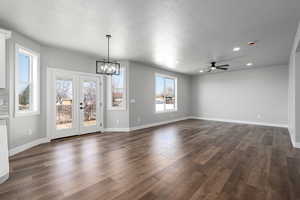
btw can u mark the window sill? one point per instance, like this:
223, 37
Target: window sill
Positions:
26, 114
167, 111
116, 109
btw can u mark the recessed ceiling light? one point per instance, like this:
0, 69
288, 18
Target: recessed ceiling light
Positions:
201, 71
236, 49
249, 64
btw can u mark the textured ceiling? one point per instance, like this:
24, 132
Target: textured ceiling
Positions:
179, 35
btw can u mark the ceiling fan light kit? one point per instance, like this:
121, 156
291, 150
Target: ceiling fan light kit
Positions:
215, 67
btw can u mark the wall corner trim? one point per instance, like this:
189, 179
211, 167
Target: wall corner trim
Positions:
294, 143
6, 33
144, 126
158, 123
116, 129
297, 145
26, 146
4, 178
241, 122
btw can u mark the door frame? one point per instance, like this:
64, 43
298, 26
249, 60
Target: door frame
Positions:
50, 120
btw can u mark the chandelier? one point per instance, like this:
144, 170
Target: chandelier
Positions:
106, 66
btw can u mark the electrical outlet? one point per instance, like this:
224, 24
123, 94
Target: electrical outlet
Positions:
29, 131
258, 116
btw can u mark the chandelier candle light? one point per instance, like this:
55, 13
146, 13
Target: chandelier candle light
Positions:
107, 67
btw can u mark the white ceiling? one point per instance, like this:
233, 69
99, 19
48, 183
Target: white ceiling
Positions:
181, 35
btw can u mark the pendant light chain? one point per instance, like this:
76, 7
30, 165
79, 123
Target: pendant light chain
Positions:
108, 47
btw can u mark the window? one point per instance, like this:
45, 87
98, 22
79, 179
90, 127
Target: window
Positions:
165, 93
117, 91
26, 81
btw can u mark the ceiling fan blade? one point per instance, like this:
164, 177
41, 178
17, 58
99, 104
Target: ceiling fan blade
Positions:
223, 65
222, 68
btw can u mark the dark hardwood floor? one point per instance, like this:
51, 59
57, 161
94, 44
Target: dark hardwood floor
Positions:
187, 160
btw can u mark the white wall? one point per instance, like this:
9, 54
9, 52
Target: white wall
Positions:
118, 119
19, 126
265, 93
297, 98
142, 90
76, 61
294, 77
54, 58
67, 59
257, 95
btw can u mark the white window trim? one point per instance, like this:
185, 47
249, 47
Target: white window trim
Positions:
109, 93
37, 85
165, 110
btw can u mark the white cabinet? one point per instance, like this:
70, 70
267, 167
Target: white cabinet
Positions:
4, 34
4, 163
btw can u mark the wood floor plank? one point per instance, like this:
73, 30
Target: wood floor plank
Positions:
189, 160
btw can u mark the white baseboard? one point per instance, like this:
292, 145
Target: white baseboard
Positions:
144, 126
158, 123
294, 143
292, 137
242, 122
29, 145
46, 140
116, 130
4, 178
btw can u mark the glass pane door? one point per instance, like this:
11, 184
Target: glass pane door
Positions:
89, 104
64, 103
75, 104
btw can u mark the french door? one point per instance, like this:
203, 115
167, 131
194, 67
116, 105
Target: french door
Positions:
89, 97
76, 104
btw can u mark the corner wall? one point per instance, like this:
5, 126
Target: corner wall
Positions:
118, 120
257, 95
294, 91
297, 99
25, 129
140, 81
53, 57
142, 95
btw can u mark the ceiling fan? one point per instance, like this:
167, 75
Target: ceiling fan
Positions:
214, 67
